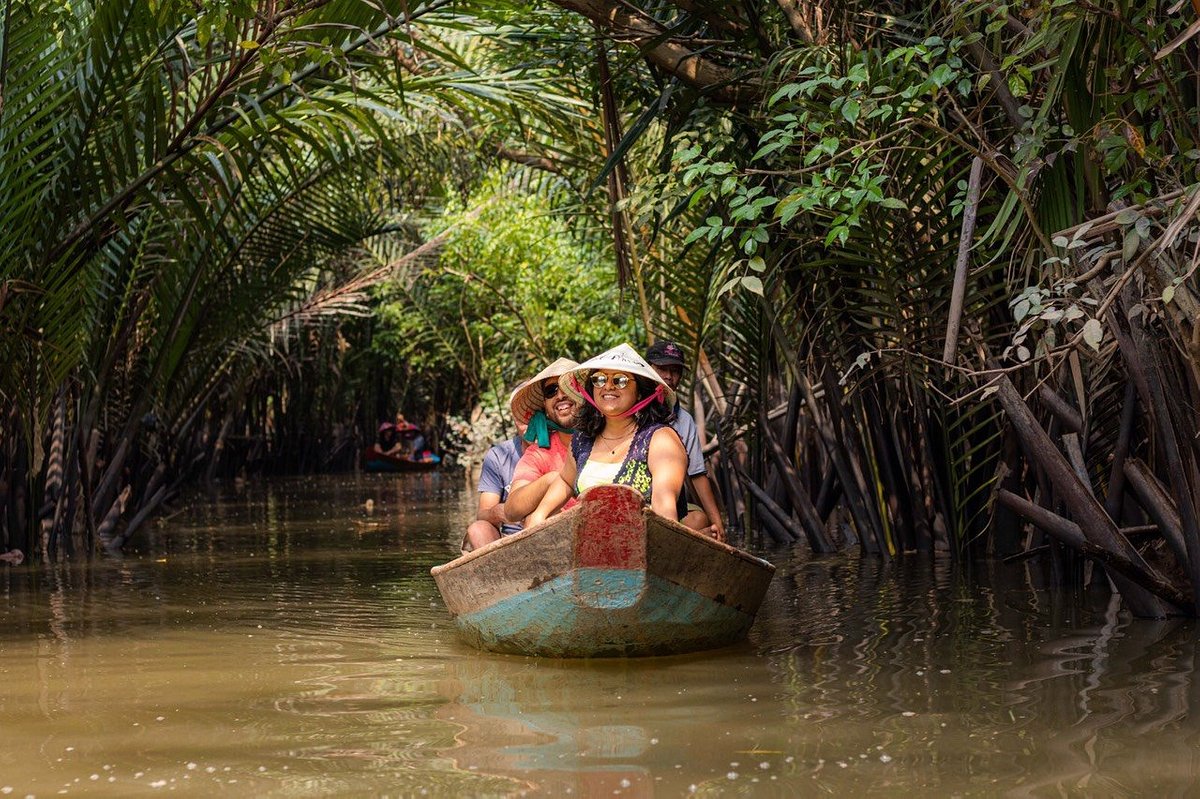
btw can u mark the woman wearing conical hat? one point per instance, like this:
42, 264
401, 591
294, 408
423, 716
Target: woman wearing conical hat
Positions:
622, 434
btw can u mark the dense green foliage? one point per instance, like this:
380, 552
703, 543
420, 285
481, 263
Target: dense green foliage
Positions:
511, 290
191, 195
824, 220
275, 224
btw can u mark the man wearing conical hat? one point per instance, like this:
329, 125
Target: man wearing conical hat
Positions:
548, 414
538, 419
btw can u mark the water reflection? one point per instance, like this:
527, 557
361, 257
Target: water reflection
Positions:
978, 688
589, 729
288, 640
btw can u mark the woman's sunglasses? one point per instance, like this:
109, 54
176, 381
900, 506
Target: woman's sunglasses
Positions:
550, 390
600, 380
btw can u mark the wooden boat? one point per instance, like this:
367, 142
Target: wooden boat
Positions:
375, 460
607, 578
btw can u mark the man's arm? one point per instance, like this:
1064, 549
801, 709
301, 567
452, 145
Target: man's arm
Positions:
698, 476
491, 488
526, 495
708, 501
491, 509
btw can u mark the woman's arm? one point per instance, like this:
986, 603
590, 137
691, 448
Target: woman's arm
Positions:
526, 495
557, 494
668, 465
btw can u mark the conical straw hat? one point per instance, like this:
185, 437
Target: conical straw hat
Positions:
621, 358
526, 399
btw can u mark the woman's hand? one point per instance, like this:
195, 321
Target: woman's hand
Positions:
556, 495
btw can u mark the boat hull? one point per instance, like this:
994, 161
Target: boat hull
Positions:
606, 579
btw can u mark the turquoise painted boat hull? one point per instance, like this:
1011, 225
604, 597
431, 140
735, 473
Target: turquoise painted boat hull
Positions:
605, 579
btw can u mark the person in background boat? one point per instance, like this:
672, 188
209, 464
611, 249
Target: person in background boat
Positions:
667, 359
385, 437
416, 446
548, 414
622, 434
495, 480
406, 434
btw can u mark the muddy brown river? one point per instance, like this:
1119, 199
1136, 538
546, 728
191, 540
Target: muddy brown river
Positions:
283, 641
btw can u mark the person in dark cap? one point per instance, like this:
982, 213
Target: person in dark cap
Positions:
667, 359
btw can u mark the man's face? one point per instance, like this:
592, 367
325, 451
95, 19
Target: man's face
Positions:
559, 407
670, 373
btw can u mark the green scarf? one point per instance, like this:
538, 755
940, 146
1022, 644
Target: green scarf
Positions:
540, 428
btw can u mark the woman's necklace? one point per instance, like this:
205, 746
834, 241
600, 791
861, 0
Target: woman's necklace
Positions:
619, 439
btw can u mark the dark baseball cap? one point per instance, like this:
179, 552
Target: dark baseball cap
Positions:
664, 353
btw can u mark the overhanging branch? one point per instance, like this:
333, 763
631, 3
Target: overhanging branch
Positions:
718, 81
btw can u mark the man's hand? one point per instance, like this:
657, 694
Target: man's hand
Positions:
708, 502
718, 529
494, 515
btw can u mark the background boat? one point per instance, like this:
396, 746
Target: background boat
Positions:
374, 460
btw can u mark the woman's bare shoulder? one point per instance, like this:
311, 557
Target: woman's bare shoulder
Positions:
666, 437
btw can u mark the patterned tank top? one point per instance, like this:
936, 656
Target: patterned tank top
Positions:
635, 469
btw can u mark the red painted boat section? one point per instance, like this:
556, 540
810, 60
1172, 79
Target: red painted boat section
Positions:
609, 533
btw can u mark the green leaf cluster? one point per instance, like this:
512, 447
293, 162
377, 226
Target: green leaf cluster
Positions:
512, 289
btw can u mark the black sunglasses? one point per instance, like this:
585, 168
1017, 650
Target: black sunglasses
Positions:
550, 390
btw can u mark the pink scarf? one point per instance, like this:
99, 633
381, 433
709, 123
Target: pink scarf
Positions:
657, 395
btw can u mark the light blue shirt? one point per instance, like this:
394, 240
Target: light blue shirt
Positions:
685, 426
495, 477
